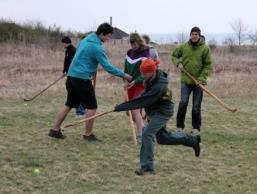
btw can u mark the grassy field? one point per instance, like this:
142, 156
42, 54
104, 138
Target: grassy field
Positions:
227, 163
229, 148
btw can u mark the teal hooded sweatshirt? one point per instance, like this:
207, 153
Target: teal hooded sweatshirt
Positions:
89, 54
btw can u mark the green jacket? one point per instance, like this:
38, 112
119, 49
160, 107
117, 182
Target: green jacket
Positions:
196, 59
156, 98
133, 69
133, 61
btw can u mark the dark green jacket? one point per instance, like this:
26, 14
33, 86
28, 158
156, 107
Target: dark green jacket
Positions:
156, 98
196, 59
133, 69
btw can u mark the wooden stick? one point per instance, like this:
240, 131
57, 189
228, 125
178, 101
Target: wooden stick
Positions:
94, 79
131, 119
89, 118
40, 92
223, 104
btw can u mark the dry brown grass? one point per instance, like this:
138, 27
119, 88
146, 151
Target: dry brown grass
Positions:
25, 70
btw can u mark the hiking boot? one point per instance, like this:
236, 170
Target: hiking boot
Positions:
142, 172
197, 147
56, 134
90, 137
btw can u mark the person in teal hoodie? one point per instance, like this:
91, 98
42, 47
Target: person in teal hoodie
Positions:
158, 104
195, 57
89, 54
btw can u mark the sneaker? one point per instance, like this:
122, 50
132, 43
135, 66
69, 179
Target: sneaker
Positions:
196, 132
142, 172
90, 137
139, 139
179, 130
56, 134
197, 147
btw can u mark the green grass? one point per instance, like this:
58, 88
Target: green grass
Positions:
227, 163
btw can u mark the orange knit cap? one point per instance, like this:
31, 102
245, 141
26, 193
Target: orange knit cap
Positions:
148, 66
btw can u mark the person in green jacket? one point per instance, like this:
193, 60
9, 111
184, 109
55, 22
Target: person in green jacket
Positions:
195, 57
158, 104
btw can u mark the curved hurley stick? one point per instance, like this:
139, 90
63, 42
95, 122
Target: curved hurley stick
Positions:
89, 118
39, 93
223, 104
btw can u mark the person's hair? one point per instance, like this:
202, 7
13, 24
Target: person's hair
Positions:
136, 38
196, 29
146, 38
104, 28
66, 39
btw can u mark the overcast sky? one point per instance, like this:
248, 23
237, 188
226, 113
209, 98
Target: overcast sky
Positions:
144, 16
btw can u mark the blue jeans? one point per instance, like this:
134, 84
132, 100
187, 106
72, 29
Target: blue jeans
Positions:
80, 110
196, 110
157, 128
148, 141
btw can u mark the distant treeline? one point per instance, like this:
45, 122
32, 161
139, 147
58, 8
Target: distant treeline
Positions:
30, 32
34, 33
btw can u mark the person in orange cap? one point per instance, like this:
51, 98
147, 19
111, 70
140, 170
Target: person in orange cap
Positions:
158, 104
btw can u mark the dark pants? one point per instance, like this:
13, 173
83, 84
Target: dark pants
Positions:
196, 110
80, 110
156, 128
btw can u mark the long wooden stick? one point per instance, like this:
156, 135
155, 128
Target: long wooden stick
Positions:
131, 119
89, 118
40, 92
94, 79
223, 104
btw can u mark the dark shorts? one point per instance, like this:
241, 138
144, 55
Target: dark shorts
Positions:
80, 91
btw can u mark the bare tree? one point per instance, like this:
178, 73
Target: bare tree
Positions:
212, 44
239, 29
253, 37
231, 43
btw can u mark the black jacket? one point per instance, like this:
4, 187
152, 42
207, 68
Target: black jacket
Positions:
69, 54
156, 98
